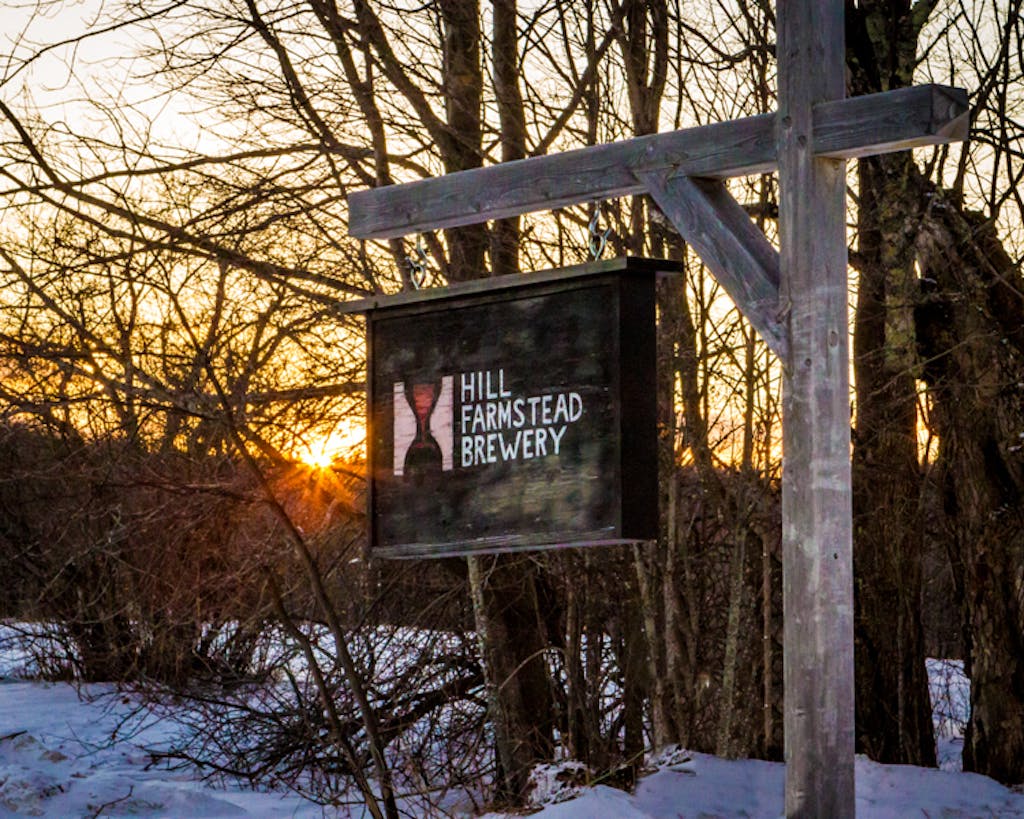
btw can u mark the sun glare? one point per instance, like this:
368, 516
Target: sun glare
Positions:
318, 457
341, 444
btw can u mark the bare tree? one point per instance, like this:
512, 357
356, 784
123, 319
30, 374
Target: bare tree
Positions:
925, 255
893, 708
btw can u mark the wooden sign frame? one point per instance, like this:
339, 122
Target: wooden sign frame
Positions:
539, 420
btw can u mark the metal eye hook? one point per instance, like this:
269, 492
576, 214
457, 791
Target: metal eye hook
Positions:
598, 239
418, 264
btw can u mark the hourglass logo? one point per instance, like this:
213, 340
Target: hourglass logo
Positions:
424, 431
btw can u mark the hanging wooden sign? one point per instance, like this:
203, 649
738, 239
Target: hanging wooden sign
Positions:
514, 412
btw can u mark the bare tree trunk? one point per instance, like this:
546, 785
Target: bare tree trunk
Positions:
512, 118
643, 42
644, 558
671, 307
771, 648
675, 661
631, 650
892, 702
971, 331
728, 706
582, 735
463, 96
893, 707
504, 745
516, 632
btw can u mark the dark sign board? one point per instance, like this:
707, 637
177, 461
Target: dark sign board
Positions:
515, 412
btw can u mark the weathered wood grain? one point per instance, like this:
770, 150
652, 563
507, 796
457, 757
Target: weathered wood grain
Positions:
816, 495
891, 121
734, 249
894, 120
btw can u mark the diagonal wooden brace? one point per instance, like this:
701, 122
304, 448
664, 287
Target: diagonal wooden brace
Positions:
730, 244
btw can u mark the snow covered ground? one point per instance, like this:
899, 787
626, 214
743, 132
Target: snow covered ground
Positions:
62, 755
705, 786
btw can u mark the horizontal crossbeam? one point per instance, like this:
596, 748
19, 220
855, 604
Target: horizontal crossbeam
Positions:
859, 126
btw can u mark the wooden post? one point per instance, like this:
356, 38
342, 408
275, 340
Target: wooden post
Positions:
816, 492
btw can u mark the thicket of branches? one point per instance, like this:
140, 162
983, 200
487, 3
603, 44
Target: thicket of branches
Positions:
170, 344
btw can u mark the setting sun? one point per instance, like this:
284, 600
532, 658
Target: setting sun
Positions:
347, 440
319, 456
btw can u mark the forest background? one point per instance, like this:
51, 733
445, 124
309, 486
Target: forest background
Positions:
183, 404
